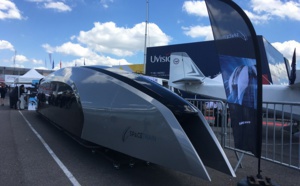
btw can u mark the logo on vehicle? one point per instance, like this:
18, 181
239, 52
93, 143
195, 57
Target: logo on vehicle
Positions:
130, 133
176, 61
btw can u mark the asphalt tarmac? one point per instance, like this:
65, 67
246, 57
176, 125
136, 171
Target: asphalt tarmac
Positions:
35, 152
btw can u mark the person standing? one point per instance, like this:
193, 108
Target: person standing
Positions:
218, 114
13, 98
2, 92
21, 99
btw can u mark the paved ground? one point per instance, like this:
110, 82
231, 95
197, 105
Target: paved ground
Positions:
24, 160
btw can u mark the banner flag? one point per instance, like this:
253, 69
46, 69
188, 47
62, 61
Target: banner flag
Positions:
60, 64
53, 64
292, 77
240, 63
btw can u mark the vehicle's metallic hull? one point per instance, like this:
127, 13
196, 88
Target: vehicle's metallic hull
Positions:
132, 115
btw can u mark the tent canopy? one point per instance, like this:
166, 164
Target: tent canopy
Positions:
28, 77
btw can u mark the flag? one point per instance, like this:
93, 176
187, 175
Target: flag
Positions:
292, 77
84, 62
50, 58
60, 64
15, 58
53, 64
240, 63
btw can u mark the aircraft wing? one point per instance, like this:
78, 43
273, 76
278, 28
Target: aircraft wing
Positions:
189, 80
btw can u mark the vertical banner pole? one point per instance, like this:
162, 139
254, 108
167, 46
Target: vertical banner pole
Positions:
240, 62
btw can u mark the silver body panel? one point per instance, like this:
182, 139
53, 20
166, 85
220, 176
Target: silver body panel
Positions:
120, 114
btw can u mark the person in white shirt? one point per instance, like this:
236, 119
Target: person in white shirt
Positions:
217, 114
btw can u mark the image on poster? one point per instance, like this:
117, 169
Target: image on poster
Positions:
240, 80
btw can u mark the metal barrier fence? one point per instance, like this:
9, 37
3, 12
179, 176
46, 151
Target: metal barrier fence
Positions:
280, 135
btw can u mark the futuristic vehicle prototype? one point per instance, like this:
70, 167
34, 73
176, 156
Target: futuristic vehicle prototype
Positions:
133, 115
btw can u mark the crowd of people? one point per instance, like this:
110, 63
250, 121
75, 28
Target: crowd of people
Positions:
216, 107
13, 94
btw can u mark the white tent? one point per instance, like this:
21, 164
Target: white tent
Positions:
28, 77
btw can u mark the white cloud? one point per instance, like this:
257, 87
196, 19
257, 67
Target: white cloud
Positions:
53, 4
37, 1
197, 8
121, 41
73, 49
199, 31
59, 6
69, 48
277, 8
104, 39
84, 54
37, 61
155, 35
287, 49
262, 11
93, 60
8, 10
20, 59
108, 39
5, 45
105, 3
48, 48
257, 19
41, 68
101, 60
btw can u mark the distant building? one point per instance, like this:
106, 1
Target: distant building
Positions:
136, 68
9, 74
21, 71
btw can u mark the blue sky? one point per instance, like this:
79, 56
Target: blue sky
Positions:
111, 32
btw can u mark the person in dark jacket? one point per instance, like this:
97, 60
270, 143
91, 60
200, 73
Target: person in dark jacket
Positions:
2, 94
22, 89
13, 96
